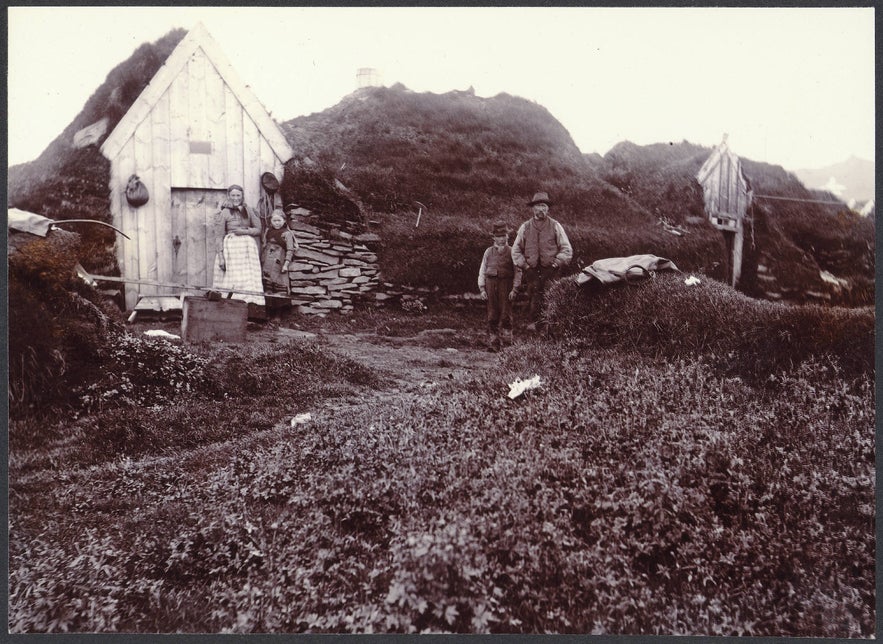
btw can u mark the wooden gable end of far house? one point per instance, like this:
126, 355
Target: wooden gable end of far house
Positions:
726, 191
193, 131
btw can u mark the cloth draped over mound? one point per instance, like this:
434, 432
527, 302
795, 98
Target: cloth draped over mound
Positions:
624, 269
28, 222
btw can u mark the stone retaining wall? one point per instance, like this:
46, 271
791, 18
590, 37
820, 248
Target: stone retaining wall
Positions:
331, 270
335, 269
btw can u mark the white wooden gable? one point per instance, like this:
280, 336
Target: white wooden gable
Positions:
198, 38
726, 191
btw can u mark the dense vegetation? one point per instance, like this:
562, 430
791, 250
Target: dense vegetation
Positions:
57, 324
694, 462
743, 337
633, 492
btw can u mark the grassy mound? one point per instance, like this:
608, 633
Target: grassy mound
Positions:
665, 317
65, 182
57, 324
149, 396
475, 160
667, 499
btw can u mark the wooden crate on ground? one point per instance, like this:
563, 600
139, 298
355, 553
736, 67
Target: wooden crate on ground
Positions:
207, 320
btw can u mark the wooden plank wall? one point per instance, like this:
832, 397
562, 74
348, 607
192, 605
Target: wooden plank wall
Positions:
194, 244
215, 128
162, 186
251, 161
725, 189
197, 164
128, 221
145, 216
233, 123
177, 223
197, 107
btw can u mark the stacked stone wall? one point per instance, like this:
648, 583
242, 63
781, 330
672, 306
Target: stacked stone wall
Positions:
331, 270
335, 270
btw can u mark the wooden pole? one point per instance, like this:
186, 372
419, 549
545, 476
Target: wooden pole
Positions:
126, 280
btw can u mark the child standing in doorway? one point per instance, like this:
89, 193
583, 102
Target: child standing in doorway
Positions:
498, 282
279, 247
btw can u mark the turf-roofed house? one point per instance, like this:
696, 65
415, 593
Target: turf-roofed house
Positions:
194, 130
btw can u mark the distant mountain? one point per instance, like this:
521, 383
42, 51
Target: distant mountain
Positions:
850, 179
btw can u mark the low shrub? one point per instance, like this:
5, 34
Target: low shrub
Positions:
56, 324
294, 369
751, 338
150, 396
145, 372
661, 497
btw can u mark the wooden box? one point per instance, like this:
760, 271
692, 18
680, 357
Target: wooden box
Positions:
207, 320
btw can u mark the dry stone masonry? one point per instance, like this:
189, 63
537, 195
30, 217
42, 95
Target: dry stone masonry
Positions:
334, 270
331, 272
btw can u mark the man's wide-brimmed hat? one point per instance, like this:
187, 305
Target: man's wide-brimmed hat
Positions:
270, 182
500, 229
539, 197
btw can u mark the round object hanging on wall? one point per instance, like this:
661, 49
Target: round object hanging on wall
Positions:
136, 192
270, 182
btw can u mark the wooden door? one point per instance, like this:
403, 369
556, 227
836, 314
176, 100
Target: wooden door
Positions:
193, 235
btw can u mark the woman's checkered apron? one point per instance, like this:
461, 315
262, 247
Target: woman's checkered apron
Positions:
243, 268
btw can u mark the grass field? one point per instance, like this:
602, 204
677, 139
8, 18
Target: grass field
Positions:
636, 490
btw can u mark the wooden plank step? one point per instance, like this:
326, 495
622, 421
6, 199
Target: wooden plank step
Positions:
158, 303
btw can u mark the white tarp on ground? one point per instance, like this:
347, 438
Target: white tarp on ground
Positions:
28, 222
619, 269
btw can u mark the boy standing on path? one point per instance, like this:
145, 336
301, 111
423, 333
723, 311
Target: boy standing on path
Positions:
498, 281
541, 248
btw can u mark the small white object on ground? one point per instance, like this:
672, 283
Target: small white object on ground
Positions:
520, 386
301, 419
690, 281
159, 333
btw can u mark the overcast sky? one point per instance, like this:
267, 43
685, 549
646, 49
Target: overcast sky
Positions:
794, 87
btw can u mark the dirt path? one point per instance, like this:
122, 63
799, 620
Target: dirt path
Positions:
413, 363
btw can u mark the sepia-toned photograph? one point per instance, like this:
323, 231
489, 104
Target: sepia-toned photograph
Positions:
441, 320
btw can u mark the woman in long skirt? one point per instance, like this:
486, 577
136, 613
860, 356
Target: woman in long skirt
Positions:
238, 262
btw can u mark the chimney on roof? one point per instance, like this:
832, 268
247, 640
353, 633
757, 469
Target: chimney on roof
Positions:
367, 77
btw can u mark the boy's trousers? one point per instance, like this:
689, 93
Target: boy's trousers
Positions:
499, 308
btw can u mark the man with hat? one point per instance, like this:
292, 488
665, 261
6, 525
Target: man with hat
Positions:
498, 282
540, 250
